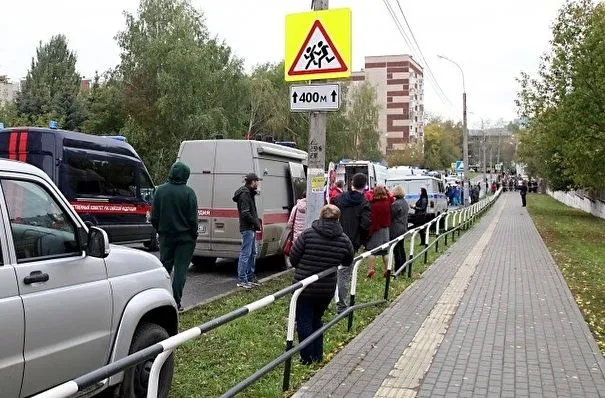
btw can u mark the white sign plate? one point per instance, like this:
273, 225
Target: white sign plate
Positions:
315, 97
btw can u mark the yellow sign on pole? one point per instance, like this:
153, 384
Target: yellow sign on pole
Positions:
318, 45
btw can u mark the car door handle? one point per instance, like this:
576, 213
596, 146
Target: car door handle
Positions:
36, 277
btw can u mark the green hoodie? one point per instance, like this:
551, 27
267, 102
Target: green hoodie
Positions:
174, 210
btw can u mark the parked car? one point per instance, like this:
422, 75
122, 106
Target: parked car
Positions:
103, 178
69, 302
411, 186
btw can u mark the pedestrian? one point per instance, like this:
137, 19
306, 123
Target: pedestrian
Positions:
523, 192
399, 224
336, 190
325, 240
379, 228
355, 221
174, 217
298, 216
249, 223
420, 213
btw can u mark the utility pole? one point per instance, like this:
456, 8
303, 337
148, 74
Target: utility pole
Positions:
316, 152
465, 147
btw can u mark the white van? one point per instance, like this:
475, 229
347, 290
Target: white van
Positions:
377, 173
434, 188
218, 168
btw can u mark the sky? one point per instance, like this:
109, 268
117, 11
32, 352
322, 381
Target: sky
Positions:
493, 41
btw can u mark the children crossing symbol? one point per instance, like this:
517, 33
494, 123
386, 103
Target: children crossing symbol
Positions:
317, 54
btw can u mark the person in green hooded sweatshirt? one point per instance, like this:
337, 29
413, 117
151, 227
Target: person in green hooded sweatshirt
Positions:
174, 216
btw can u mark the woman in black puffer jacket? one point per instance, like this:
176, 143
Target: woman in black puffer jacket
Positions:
318, 248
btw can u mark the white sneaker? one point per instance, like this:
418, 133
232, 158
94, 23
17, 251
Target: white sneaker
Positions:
244, 285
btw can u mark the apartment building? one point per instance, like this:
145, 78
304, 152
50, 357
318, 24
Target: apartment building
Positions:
399, 84
8, 90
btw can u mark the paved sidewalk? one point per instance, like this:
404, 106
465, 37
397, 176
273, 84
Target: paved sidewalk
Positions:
493, 316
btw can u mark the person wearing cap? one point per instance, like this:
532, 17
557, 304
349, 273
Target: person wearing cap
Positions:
249, 223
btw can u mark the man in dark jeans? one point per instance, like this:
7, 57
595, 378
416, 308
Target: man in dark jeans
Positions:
249, 223
174, 216
355, 220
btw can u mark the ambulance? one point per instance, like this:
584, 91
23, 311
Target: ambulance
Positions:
218, 168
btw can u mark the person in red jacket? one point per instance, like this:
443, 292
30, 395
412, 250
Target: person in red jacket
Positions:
370, 194
379, 229
336, 190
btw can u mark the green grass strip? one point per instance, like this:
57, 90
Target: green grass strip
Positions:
576, 240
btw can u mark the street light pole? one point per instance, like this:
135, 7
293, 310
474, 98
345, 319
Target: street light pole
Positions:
466, 181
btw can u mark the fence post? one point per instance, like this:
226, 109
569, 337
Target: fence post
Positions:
427, 236
447, 217
411, 253
353, 291
154, 374
290, 337
437, 235
390, 260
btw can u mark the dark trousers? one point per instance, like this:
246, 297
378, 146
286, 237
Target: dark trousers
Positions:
176, 252
524, 200
399, 253
308, 319
421, 219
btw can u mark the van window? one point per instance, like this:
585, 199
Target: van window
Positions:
95, 175
146, 186
40, 227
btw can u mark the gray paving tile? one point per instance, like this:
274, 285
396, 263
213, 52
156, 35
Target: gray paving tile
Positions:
516, 332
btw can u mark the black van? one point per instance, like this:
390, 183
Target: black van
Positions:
102, 177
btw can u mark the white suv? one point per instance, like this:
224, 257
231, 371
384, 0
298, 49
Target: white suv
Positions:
70, 303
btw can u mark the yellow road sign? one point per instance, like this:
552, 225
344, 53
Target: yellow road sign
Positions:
318, 45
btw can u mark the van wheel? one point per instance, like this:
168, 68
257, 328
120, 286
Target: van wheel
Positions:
136, 379
153, 244
203, 263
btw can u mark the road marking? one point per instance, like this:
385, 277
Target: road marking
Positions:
405, 378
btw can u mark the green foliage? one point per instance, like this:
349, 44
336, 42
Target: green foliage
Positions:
565, 103
575, 239
362, 115
179, 83
441, 144
413, 155
52, 87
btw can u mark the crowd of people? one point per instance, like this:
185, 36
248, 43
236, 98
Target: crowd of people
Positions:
349, 221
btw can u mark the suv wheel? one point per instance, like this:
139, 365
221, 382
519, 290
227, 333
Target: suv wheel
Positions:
136, 379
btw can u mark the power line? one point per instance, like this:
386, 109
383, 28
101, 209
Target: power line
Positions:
436, 87
420, 51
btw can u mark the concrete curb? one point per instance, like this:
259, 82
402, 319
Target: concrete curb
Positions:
236, 289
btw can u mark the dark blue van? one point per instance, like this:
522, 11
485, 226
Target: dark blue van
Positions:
103, 178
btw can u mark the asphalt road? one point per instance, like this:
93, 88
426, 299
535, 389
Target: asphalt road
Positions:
203, 285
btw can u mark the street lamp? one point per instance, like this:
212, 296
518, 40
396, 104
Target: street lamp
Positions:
464, 130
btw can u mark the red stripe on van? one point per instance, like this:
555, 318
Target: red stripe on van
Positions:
268, 218
12, 146
275, 218
23, 147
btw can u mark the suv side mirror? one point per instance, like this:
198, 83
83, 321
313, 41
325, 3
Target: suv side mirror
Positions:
98, 243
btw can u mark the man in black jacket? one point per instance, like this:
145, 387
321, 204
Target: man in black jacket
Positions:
248, 225
325, 240
355, 220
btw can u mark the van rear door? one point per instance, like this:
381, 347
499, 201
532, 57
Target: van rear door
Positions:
298, 182
200, 157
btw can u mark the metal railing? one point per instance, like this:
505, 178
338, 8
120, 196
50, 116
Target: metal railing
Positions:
461, 219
